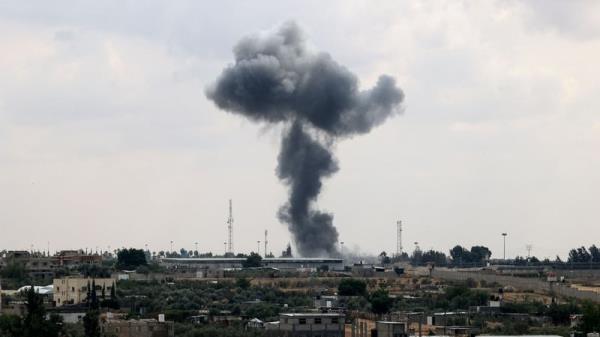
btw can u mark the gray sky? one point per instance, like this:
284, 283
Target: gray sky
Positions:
106, 137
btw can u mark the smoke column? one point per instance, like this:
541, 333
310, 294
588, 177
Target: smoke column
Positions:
277, 79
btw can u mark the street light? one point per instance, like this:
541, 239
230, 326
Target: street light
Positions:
342, 248
504, 243
171, 246
196, 243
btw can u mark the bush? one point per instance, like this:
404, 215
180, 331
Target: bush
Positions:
352, 287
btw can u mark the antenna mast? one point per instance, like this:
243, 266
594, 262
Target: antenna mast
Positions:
266, 243
230, 229
399, 238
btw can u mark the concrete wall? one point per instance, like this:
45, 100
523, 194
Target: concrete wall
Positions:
518, 282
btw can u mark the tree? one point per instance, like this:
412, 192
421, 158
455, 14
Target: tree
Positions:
131, 258
242, 283
381, 302
480, 254
252, 261
437, 258
287, 252
460, 255
595, 253
591, 317
91, 322
385, 259
11, 326
352, 287
35, 323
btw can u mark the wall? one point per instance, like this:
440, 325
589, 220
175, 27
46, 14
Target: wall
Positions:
519, 283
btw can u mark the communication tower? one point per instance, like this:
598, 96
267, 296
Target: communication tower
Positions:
230, 228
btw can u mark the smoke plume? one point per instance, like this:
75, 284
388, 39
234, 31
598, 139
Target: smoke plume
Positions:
276, 78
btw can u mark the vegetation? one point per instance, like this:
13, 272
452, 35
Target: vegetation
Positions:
34, 324
381, 303
130, 259
183, 299
252, 261
352, 287
591, 317
477, 255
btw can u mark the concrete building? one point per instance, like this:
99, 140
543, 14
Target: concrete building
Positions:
326, 301
310, 325
73, 290
137, 328
391, 329
284, 263
40, 265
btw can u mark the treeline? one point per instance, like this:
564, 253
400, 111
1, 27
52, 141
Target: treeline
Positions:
458, 256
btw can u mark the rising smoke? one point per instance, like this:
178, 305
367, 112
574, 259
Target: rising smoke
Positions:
276, 78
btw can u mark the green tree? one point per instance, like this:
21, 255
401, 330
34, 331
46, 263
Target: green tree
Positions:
480, 254
11, 326
352, 287
35, 323
381, 302
591, 317
131, 258
242, 283
252, 261
91, 321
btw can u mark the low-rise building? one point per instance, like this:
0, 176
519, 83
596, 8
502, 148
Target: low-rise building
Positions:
74, 290
310, 325
391, 329
137, 328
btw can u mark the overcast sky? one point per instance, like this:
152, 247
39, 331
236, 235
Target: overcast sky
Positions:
107, 138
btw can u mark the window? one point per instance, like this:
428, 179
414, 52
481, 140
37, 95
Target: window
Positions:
317, 320
57, 289
302, 321
73, 289
334, 320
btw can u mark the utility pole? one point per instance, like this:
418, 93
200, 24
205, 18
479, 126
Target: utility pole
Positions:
504, 243
399, 238
266, 243
230, 228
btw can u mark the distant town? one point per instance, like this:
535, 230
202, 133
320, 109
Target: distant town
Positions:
136, 292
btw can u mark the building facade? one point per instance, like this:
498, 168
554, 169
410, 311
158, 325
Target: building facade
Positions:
311, 325
137, 328
73, 290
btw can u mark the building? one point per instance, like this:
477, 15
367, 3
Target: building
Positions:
137, 328
326, 301
37, 265
75, 258
391, 329
310, 325
74, 290
284, 263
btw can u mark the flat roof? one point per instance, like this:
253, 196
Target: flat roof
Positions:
310, 314
266, 259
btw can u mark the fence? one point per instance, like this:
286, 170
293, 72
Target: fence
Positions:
519, 283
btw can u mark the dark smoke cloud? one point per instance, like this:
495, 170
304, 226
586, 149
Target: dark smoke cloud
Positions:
276, 78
